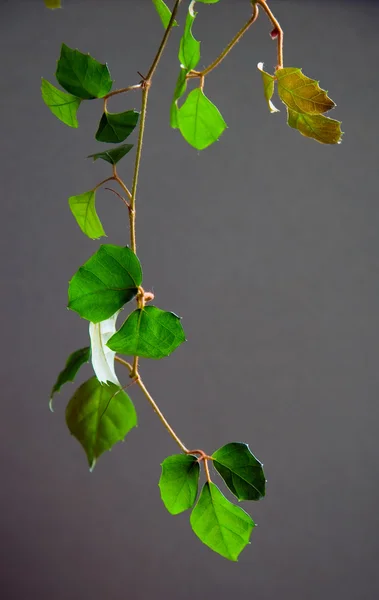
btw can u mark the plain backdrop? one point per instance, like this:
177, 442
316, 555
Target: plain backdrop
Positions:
267, 244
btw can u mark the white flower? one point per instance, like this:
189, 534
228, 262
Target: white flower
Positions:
102, 356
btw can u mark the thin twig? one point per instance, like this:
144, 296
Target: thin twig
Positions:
277, 28
119, 196
228, 48
137, 86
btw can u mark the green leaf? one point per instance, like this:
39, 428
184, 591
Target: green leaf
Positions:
180, 89
208, 1
241, 471
63, 106
164, 13
150, 333
200, 121
73, 364
189, 49
268, 87
114, 155
302, 94
102, 286
116, 127
318, 127
179, 482
99, 416
55, 3
221, 525
84, 211
82, 75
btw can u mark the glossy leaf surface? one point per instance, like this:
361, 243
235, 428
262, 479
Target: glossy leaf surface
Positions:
164, 13
113, 155
84, 210
81, 75
268, 87
99, 416
220, 525
114, 128
103, 357
150, 333
189, 49
318, 127
302, 94
71, 369
63, 106
241, 471
179, 482
102, 286
200, 122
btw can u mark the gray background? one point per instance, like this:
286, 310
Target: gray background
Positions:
267, 244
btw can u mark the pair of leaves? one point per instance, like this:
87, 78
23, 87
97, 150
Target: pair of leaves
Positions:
83, 77
99, 416
104, 284
306, 104
83, 206
223, 527
198, 119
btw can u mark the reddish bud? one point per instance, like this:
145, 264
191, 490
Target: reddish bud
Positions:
274, 33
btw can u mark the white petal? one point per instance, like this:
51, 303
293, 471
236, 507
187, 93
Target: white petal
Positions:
102, 356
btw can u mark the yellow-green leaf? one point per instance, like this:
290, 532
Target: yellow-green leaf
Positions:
268, 87
63, 106
318, 127
302, 94
84, 211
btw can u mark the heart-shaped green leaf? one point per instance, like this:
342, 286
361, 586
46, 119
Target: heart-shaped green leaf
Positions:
200, 122
63, 106
84, 210
149, 332
102, 286
241, 471
219, 524
179, 482
81, 75
99, 416
114, 128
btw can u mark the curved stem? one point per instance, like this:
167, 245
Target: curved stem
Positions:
102, 182
206, 469
228, 48
277, 28
161, 416
118, 196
